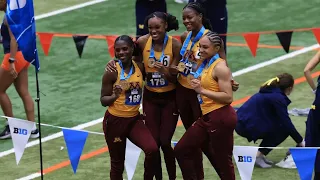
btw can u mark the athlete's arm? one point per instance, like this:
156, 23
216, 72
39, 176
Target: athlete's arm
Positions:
309, 67
13, 42
109, 93
173, 72
137, 54
222, 53
223, 75
281, 110
141, 67
176, 47
140, 44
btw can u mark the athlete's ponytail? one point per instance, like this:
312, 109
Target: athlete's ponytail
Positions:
200, 10
171, 20
206, 23
282, 81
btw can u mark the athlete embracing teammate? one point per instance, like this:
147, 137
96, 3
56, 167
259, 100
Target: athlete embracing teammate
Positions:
169, 69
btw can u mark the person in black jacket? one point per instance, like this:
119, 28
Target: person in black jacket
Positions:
313, 121
216, 12
143, 9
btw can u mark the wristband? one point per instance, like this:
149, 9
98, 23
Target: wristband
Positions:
314, 91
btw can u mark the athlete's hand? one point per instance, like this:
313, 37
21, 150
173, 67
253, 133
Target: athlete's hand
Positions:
13, 71
195, 84
111, 66
117, 90
160, 66
235, 85
173, 70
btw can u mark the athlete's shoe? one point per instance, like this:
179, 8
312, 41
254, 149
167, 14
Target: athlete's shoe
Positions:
5, 134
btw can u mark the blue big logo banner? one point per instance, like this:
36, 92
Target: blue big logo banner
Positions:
20, 18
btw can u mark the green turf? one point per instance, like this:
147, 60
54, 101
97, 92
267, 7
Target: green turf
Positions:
72, 85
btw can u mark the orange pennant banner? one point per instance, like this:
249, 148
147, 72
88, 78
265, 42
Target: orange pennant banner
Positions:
177, 37
45, 40
110, 41
252, 40
316, 33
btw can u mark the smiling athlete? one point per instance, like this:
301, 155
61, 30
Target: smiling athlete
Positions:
122, 92
158, 52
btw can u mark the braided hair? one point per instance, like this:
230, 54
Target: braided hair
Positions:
200, 10
214, 38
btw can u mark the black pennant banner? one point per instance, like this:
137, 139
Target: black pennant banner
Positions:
80, 41
285, 39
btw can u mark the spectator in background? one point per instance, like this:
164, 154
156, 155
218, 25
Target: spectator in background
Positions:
216, 12
143, 9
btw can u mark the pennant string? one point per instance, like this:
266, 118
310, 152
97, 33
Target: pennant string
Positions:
100, 36
98, 133
60, 127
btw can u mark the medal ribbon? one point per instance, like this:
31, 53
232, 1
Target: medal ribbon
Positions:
203, 65
186, 43
122, 72
163, 48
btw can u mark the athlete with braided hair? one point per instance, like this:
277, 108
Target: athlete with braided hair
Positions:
197, 25
214, 130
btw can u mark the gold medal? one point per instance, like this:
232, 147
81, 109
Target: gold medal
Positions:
151, 62
124, 84
181, 66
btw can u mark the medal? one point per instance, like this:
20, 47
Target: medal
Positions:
181, 66
124, 84
151, 62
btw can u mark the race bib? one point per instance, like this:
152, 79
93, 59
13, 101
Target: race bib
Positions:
133, 97
156, 79
166, 61
197, 55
